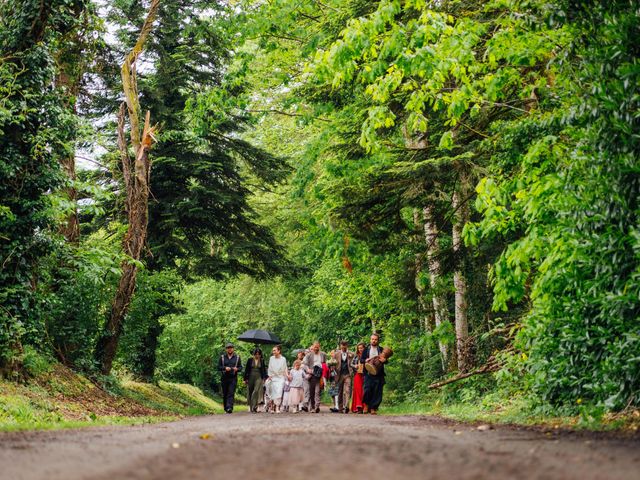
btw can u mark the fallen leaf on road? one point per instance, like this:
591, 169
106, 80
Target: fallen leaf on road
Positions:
205, 436
175, 445
484, 428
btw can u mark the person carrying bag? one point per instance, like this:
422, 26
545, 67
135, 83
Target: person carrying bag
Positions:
312, 364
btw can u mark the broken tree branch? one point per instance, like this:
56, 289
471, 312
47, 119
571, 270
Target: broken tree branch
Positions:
492, 365
128, 73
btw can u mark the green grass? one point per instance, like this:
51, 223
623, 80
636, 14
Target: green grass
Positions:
514, 410
18, 421
177, 398
59, 398
507, 411
19, 412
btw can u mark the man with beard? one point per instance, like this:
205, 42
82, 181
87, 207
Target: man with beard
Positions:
373, 384
229, 366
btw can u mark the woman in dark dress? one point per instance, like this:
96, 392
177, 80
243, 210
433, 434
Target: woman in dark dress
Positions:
255, 374
357, 404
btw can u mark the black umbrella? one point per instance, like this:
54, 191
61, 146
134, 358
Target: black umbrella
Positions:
259, 337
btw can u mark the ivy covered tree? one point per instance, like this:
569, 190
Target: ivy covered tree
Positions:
32, 141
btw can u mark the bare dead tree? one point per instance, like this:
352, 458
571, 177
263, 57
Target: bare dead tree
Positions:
136, 173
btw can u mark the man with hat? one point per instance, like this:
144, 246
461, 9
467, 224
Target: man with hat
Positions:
229, 366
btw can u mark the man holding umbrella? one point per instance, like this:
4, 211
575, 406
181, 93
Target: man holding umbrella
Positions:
229, 366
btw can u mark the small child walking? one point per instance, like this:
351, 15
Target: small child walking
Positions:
296, 392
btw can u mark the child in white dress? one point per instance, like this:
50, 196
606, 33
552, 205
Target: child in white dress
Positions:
296, 391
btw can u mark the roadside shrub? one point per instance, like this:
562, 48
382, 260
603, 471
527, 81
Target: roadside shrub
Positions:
34, 362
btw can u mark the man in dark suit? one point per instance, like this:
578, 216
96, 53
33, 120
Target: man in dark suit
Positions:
373, 384
229, 366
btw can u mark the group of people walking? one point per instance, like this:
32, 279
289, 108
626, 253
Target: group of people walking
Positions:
354, 379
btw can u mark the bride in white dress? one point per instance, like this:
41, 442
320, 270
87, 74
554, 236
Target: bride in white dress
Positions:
277, 373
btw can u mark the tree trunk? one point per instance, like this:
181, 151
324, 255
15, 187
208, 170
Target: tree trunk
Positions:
424, 309
72, 60
461, 208
71, 226
148, 351
68, 80
440, 308
136, 181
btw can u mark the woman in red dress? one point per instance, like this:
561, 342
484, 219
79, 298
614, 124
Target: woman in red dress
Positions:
357, 405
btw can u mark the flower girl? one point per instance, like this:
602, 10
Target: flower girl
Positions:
296, 392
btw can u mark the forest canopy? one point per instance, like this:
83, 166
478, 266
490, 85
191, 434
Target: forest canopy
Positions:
461, 176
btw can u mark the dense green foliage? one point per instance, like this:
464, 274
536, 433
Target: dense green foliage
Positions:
567, 181
197, 181
459, 175
32, 135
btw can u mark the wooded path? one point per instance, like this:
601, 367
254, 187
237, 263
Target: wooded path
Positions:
244, 446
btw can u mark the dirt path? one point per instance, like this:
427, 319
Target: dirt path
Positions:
288, 446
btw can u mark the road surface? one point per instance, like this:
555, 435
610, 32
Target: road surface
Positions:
315, 446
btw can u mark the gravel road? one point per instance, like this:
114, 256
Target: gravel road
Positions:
288, 446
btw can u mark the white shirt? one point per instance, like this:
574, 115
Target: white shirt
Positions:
277, 367
317, 360
374, 352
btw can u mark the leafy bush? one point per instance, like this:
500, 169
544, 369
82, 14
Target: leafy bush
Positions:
34, 362
564, 192
157, 295
76, 295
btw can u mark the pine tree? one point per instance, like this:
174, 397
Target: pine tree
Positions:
200, 219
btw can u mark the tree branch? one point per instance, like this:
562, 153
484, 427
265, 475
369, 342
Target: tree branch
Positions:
492, 365
128, 73
288, 114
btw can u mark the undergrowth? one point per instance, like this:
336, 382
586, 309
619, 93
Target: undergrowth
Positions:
52, 396
487, 399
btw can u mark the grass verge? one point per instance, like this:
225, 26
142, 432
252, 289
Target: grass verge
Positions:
496, 408
59, 398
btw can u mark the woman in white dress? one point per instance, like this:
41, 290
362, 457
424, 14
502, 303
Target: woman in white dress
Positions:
278, 373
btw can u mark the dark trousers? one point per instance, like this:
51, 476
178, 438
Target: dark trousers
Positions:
314, 393
229, 390
373, 385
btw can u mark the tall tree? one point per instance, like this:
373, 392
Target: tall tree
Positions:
460, 206
201, 219
436, 111
75, 53
439, 298
136, 174
31, 142
201, 222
